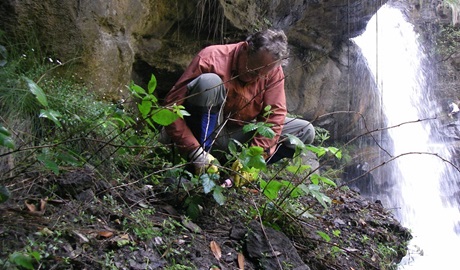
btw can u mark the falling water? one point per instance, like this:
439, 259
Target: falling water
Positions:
418, 164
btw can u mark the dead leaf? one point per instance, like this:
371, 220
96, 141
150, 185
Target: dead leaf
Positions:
82, 237
43, 204
241, 261
124, 236
31, 207
190, 225
216, 250
105, 234
40, 210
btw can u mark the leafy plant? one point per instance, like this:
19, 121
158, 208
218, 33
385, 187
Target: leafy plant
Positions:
149, 108
5, 138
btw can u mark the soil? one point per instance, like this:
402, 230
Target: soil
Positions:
78, 221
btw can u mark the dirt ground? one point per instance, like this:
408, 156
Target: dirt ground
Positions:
77, 221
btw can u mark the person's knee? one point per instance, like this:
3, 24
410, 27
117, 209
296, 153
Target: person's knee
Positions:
308, 133
207, 90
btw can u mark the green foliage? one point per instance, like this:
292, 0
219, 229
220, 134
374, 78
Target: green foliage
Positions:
25, 259
261, 128
447, 41
149, 108
5, 138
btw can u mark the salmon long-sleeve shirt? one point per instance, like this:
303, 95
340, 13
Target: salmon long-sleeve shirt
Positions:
245, 101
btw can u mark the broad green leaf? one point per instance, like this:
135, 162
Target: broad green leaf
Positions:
35, 255
334, 150
315, 178
266, 131
271, 188
151, 98
144, 107
218, 196
6, 141
319, 151
4, 131
232, 148
52, 115
180, 110
37, 91
255, 151
249, 127
314, 190
324, 235
298, 168
152, 84
22, 260
208, 184
49, 164
300, 190
69, 158
193, 211
164, 116
137, 89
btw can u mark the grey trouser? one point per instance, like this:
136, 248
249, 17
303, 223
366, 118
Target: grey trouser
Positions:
208, 93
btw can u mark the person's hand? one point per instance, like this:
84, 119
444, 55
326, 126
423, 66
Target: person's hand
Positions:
203, 161
242, 177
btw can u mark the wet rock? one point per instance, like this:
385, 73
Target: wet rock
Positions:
272, 248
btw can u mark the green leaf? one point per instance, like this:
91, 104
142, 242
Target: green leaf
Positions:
49, 164
180, 110
319, 151
324, 235
208, 184
314, 190
164, 116
144, 107
232, 148
218, 196
249, 127
4, 194
22, 260
4, 131
152, 84
266, 131
137, 89
37, 91
6, 141
315, 178
334, 150
193, 210
52, 115
271, 188
300, 190
298, 168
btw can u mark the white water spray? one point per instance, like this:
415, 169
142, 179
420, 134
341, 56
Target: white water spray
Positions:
420, 168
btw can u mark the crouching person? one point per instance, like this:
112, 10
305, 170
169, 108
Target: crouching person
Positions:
228, 86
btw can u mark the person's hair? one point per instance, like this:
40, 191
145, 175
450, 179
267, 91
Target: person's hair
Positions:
272, 40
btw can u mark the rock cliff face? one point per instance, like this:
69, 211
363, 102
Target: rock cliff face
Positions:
108, 43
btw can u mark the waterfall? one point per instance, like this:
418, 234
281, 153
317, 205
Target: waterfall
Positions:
424, 180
